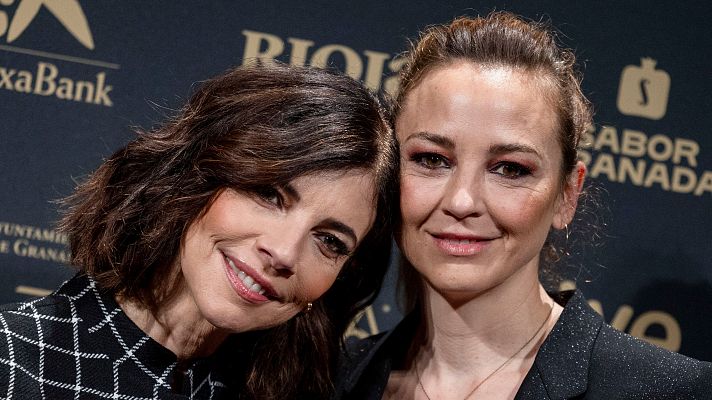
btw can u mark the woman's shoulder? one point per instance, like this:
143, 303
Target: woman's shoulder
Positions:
584, 354
52, 307
24, 328
634, 366
359, 356
366, 363
29, 322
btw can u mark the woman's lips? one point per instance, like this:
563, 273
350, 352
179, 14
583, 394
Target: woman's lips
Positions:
460, 245
247, 282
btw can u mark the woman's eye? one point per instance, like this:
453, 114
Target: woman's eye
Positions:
271, 195
511, 170
334, 246
431, 160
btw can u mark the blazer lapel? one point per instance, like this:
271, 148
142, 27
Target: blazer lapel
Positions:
560, 369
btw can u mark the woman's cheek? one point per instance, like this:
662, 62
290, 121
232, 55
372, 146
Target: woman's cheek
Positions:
417, 196
318, 282
520, 207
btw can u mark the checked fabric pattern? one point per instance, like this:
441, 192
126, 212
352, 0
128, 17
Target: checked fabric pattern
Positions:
77, 344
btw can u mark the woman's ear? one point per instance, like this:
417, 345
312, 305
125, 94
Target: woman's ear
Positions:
568, 199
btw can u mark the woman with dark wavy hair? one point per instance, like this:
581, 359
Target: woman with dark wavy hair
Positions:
489, 117
221, 255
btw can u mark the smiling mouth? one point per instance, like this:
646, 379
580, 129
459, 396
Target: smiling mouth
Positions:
247, 280
460, 241
460, 246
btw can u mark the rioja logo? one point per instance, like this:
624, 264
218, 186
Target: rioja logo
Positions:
68, 12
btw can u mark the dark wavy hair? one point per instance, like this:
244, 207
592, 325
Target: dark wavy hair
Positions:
251, 128
503, 39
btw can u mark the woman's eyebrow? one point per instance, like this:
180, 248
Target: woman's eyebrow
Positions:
292, 192
498, 149
339, 226
440, 140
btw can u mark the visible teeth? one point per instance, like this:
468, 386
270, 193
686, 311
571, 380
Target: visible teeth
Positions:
250, 283
464, 241
233, 266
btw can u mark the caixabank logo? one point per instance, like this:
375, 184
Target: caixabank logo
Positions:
48, 77
655, 160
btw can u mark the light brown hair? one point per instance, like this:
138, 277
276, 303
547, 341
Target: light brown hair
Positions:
502, 39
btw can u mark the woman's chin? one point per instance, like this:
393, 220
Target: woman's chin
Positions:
238, 321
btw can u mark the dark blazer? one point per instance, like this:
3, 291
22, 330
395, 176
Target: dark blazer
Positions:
582, 358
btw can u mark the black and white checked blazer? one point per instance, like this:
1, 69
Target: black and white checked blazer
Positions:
78, 344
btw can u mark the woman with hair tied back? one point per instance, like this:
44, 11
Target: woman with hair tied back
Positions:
221, 255
488, 119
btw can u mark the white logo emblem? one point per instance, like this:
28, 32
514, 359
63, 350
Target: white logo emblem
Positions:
643, 90
68, 12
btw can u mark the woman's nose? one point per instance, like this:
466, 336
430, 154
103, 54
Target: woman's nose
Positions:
463, 196
280, 250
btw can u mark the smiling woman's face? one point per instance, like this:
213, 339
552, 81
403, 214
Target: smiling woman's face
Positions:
254, 261
480, 178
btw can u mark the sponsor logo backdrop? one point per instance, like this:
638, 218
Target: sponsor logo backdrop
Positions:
75, 76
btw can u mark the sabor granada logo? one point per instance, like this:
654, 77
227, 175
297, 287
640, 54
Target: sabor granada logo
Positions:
47, 78
643, 90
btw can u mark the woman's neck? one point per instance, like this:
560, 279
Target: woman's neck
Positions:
177, 325
483, 332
